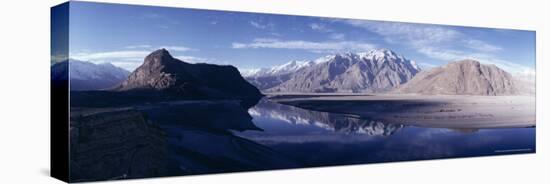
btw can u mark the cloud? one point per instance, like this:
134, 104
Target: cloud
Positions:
481, 45
150, 47
320, 27
130, 57
337, 36
438, 42
330, 46
101, 56
262, 26
454, 55
58, 58
193, 59
143, 46
412, 34
421, 35
178, 48
156, 16
127, 65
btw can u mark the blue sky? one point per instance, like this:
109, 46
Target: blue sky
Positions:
123, 35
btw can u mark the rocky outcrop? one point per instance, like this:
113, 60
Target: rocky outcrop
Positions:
160, 72
466, 77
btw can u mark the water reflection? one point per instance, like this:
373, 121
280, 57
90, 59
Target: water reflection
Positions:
341, 123
323, 139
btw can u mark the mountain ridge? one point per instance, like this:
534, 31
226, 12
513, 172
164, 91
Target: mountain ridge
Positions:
463, 77
374, 71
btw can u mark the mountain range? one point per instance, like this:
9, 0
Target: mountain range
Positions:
86, 76
377, 70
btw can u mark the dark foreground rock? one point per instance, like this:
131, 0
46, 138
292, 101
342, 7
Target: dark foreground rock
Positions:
115, 144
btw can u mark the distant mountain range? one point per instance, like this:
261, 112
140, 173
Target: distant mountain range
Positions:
466, 77
373, 71
88, 76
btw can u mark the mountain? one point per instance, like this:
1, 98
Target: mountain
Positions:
88, 76
160, 72
465, 77
266, 78
374, 71
286, 68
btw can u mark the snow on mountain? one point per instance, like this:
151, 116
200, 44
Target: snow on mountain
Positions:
265, 78
89, 76
83, 70
373, 71
286, 68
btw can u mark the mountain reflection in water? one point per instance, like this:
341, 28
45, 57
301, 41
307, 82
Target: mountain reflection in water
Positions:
341, 123
323, 139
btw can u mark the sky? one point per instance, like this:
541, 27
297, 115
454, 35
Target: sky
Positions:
124, 34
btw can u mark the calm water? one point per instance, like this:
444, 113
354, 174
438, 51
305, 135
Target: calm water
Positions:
319, 138
200, 137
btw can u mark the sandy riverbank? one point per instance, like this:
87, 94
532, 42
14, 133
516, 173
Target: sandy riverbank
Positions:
444, 111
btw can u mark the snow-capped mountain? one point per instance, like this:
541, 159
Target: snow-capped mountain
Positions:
89, 76
265, 78
373, 71
286, 68
383, 55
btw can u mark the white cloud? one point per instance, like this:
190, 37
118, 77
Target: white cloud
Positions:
438, 42
319, 27
454, 55
58, 58
113, 55
143, 46
193, 59
262, 26
480, 45
412, 34
127, 65
420, 35
337, 36
330, 46
177, 48
131, 56
169, 47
